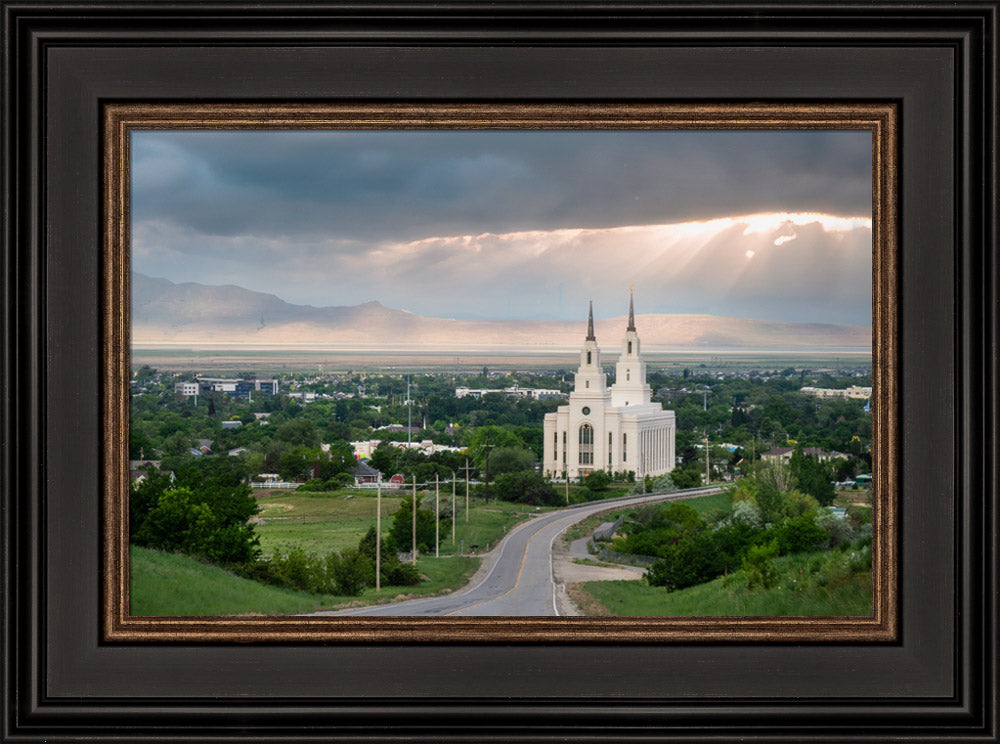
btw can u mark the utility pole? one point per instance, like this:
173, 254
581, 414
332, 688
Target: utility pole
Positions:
409, 417
437, 516
454, 514
413, 546
707, 476
486, 492
378, 537
466, 469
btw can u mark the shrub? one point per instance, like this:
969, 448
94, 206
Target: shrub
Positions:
798, 504
859, 514
682, 478
837, 528
758, 565
732, 540
348, 571
691, 561
598, 481
297, 570
314, 484
746, 512
799, 535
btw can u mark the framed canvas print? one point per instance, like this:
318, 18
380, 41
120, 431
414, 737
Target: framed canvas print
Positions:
555, 462
194, 194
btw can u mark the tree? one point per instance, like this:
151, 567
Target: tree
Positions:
178, 522
685, 477
177, 444
340, 459
298, 431
393, 571
296, 462
205, 512
812, 476
143, 497
401, 531
526, 487
485, 438
385, 459
510, 460
139, 445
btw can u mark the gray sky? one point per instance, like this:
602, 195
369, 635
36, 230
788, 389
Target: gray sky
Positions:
772, 225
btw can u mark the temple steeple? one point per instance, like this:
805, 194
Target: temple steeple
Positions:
590, 377
630, 386
631, 311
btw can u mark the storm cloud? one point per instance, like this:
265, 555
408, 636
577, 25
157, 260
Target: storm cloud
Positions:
514, 224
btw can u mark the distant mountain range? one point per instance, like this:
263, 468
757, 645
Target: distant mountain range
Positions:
165, 313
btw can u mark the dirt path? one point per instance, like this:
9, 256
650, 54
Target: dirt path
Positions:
567, 572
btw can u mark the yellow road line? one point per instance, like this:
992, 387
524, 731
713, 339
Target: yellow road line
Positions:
517, 581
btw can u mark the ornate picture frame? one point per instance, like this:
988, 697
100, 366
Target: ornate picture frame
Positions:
64, 677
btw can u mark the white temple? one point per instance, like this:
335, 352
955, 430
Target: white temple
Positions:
616, 429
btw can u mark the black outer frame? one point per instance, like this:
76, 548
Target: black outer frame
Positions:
59, 681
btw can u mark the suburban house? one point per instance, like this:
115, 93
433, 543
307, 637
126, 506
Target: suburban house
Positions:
364, 473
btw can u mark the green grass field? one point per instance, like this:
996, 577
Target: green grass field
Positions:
809, 584
321, 522
318, 522
167, 584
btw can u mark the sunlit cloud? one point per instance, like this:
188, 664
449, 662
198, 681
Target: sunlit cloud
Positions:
699, 267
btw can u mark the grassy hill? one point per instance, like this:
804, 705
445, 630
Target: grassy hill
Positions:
831, 583
165, 584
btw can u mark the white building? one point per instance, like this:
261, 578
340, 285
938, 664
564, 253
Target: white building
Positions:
511, 392
616, 429
854, 391
186, 389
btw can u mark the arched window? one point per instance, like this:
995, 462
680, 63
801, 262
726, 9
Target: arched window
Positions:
586, 445
624, 447
629, 347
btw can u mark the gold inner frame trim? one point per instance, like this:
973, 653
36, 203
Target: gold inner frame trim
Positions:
880, 118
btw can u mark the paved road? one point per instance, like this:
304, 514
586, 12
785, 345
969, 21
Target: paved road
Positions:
520, 580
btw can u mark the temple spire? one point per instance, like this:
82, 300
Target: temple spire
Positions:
631, 311
590, 323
